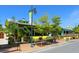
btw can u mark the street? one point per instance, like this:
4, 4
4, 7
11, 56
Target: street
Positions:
71, 47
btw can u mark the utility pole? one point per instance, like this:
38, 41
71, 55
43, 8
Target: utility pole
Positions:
31, 12
31, 20
31, 24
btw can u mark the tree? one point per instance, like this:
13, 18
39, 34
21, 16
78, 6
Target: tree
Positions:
56, 29
38, 29
23, 31
7, 29
10, 26
43, 19
6, 23
1, 27
45, 27
13, 28
76, 30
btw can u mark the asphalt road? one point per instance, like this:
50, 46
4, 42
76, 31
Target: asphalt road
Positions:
71, 47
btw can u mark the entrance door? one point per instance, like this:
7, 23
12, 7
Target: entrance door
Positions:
1, 35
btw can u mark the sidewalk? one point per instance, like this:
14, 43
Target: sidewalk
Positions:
25, 48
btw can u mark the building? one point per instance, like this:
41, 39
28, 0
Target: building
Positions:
68, 34
3, 38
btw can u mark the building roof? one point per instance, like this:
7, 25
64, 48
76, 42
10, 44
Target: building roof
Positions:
67, 29
21, 23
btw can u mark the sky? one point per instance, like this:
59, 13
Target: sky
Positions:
69, 13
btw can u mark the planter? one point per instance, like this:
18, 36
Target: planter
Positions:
25, 47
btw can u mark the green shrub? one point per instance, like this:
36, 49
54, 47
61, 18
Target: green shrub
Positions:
49, 39
11, 41
36, 38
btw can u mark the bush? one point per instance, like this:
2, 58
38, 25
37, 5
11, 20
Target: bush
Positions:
49, 39
40, 38
36, 38
11, 41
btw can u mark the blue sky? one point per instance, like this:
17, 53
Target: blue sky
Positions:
69, 13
